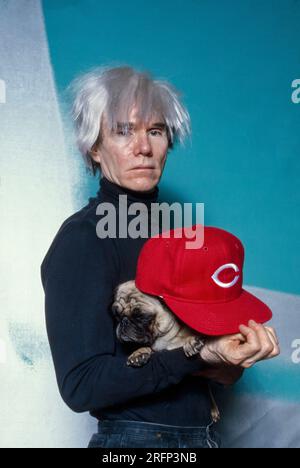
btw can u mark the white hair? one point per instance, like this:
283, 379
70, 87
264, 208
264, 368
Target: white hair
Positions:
114, 91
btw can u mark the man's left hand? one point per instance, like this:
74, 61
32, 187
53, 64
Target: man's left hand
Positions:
259, 342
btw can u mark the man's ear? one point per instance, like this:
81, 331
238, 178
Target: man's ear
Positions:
95, 154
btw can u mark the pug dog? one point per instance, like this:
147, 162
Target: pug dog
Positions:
146, 320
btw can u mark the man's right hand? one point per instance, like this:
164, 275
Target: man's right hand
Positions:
253, 344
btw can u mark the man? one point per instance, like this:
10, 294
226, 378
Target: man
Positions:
126, 123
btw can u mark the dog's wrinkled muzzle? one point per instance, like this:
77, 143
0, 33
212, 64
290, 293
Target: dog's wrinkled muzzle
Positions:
129, 332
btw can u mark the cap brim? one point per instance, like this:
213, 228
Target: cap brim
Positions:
220, 318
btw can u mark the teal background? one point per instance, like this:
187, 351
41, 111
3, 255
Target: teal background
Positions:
235, 62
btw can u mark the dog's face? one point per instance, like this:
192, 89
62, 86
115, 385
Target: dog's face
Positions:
142, 318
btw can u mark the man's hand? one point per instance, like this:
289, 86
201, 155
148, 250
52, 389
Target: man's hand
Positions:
254, 343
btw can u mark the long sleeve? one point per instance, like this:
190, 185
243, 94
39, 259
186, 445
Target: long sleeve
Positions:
79, 274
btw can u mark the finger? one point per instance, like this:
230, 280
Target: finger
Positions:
274, 339
276, 349
266, 345
250, 362
249, 335
273, 333
238, 337
252, 344
264, 337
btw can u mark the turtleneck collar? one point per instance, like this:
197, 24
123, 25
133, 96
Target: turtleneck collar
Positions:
113, 190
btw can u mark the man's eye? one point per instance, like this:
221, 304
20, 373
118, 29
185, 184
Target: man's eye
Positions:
156, 132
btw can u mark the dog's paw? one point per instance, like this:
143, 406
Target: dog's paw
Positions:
140, 357
193, 346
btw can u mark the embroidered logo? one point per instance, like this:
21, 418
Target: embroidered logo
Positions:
216, 274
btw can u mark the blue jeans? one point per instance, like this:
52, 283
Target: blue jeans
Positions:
118, 434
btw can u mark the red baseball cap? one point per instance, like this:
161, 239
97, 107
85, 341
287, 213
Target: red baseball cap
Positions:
202, 286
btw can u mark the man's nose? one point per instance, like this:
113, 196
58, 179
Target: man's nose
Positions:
142, 145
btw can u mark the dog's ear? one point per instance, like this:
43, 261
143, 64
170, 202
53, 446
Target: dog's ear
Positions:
124, 289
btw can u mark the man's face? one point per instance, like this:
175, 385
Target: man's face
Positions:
135, 158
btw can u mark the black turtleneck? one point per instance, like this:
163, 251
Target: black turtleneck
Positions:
79, 274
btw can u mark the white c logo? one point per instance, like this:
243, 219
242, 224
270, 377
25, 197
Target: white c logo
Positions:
222, 268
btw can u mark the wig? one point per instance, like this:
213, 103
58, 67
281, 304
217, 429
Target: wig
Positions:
113, 91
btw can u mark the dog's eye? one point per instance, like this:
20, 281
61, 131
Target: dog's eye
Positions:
137, 313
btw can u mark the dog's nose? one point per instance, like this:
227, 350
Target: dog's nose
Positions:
125, 321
